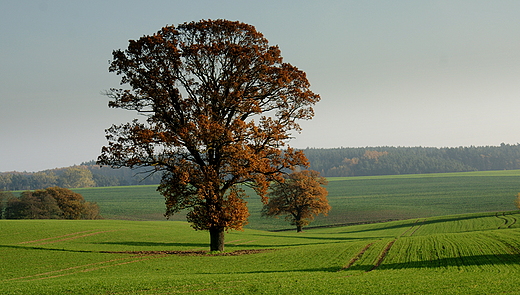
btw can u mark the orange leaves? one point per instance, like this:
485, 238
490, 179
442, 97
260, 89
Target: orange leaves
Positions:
220, 105
301, 197
228, 211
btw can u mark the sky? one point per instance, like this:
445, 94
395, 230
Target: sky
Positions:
390, 73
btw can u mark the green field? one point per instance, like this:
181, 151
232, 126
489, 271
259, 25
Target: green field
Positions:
458, 254
353, 199
458, 233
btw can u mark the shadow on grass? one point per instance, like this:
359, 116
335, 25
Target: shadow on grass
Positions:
333, 237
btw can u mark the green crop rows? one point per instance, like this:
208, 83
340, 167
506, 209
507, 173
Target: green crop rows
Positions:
457, 234
353, 199
458, 254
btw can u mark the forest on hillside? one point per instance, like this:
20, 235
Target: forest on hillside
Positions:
88, 174
329, 162
412, 160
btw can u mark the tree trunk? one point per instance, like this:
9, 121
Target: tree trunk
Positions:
299, 228
216, 236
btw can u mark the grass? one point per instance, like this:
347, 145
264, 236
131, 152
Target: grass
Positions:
456, 234
353, 199
457, 254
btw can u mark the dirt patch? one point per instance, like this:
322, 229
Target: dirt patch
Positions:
192, 253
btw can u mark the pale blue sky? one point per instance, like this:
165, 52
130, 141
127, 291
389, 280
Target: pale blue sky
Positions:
396, 73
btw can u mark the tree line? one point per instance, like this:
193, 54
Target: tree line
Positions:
88, 174
331, 162
412, 160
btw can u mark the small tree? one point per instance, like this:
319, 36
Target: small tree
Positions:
517, 201
90, 211
300, 197
220, 106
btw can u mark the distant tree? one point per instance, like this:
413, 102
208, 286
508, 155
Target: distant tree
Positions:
300, 198
4, 196
90, 211
517, 201
76, 176
220, 106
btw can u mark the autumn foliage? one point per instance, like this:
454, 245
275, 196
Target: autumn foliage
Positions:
220, 105
50, 203
300, 198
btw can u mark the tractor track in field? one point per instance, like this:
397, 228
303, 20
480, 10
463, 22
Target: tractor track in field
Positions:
136, 256
67, 237
413, 228
78, 269
357, 257
507, 223
381, 257
57, 237
385, 251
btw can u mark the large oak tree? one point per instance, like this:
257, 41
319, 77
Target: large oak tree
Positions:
219, 106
